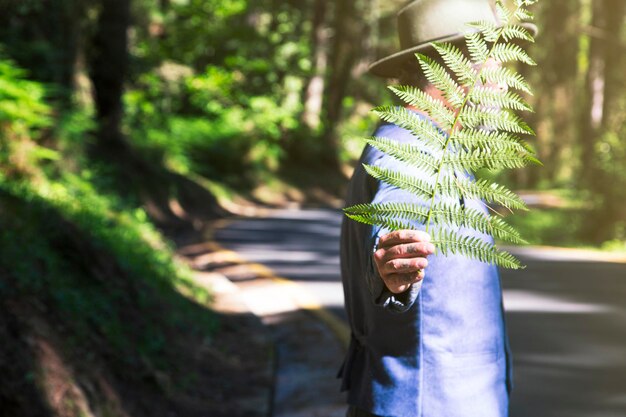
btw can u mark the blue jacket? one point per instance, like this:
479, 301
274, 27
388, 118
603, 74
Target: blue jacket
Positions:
438, 350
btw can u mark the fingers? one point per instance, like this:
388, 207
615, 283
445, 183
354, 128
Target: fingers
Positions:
403, 266
403, 236
401, 258
407, 250
397, 283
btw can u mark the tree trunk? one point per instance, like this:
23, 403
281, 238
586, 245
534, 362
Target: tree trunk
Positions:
346, 50
604, 84
314, 92
593, 99
108, 66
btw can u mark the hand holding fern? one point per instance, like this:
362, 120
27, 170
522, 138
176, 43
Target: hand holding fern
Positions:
401, 258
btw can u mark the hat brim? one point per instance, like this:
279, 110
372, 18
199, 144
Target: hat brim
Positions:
389, 66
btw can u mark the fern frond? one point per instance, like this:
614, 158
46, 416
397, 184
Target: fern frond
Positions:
524, 14
479, 138
450, 187
413, 155
507, 76
440, 78
509, 52
481, 189
504, 120
477, 47
504, 13
449, 243
445, 214
419, 126
479, 158
517, 32
488, 29
403, 181
500, 147
457, 62
477, 220
489, 98
375, 220
435, 108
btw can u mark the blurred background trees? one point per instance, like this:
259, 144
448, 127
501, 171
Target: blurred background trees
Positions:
117, 116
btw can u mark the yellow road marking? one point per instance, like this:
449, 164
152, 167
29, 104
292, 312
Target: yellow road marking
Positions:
302, 298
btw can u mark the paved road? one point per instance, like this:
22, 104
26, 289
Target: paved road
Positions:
566, 312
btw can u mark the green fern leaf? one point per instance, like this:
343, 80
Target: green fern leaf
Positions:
502, 147
489, 98
403, 181
450, 187
466, 217
479, 138
456, 61
478, 159
524, 14
517, 32
445, 214
507, 76
375, 220
504, 13
441, 79
476, 45
419, 126
435, 108
413, 155
449, 243
508, 52
502, 120
488, 29
481, 189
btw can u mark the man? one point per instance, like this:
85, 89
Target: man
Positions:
428, 331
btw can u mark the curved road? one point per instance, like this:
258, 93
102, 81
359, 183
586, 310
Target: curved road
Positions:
566, 313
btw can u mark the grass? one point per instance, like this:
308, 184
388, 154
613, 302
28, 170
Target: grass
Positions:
103, 268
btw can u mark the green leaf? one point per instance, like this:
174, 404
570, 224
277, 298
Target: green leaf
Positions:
457, 62
508, 52
413, 155
481, 189
517, 32
401, 180
479, 158
435, 108
504, 13
489, 98
505, 76
476, 45
488, 29
502, 120
356, 213
500, 147
449, 243
479, 138
419, 126
524, 14
440, 78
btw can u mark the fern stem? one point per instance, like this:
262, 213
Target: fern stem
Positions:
452, 129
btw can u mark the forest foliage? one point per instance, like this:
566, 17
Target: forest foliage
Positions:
121, 120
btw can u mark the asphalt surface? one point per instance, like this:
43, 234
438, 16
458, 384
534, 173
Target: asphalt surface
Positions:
566, 317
